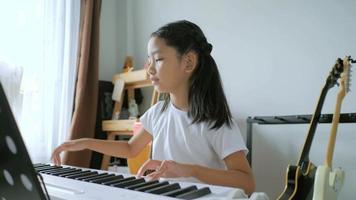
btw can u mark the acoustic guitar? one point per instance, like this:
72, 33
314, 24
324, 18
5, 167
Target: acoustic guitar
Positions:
300, 177
328, 182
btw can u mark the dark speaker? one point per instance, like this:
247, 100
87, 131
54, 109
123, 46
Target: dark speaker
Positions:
104, 112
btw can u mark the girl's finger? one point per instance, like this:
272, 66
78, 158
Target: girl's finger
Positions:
160, 172
154, 176
57, 160
143, 168
148, 165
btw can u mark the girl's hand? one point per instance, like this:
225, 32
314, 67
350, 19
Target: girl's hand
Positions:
165, 169
72, 145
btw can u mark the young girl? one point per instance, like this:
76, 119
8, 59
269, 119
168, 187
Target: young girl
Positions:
192, 130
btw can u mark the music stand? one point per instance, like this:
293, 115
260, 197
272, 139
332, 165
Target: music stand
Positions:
18, 179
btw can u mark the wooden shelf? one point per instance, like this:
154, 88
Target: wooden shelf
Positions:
118, 125
124, 81
134, 79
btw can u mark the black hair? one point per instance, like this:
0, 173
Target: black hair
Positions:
206, 98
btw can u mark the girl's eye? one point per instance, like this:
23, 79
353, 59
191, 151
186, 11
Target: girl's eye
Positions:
159, 59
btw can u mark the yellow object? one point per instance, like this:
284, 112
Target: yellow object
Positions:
135, 163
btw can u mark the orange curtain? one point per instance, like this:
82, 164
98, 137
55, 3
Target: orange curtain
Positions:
86, 96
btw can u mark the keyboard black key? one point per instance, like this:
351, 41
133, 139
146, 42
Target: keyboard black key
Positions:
57, 170
78, 171
99, 176
128, 183
118, 181
75, 176
144, 188
88, 176
42, 169
177, 192
132, 187
40, 165
195, 194
50, 171
164, 188
106, 179
70, 172
62, 172
45, 166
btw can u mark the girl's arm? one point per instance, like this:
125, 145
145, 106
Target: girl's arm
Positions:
123, 149
238, 173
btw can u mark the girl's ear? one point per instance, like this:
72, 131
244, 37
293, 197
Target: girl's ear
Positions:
191, 61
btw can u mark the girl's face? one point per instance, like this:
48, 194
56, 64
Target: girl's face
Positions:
166, 68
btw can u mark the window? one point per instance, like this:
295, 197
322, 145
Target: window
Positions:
39, 45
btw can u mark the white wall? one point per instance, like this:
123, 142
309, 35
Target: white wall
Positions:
274, 57
113, 34
117, 41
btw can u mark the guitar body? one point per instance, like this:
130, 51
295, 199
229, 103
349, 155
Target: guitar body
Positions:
299, 186
328, 183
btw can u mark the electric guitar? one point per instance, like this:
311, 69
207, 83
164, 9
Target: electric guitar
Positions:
328, 182
300, 177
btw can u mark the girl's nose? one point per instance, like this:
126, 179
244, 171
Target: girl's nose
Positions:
150, 68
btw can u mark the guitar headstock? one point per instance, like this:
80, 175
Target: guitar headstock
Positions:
346, 75
335, 73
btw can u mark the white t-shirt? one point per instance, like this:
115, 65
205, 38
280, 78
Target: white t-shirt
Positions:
175, 138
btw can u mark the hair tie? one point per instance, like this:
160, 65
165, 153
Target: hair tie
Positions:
207, 48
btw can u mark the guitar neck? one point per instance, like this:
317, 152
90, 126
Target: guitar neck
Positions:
304, 157
344, 88
332, 139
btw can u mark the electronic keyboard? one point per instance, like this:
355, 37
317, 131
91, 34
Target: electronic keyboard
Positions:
67, 182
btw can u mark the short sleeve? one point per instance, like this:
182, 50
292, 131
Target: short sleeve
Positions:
149, 117
227, 140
